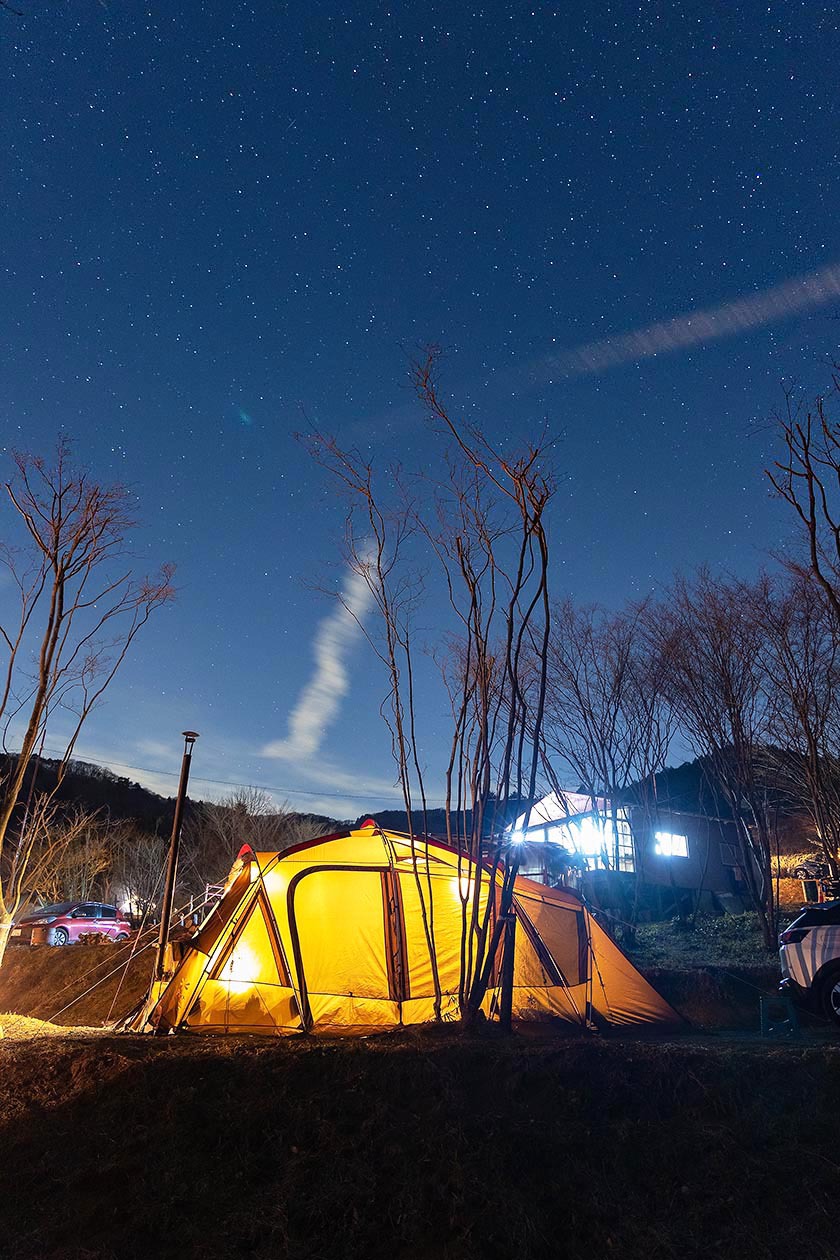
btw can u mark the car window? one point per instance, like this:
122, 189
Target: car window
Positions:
85, 912
825, 915
107, 912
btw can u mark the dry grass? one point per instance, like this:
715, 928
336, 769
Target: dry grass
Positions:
22, 1028
711, 940
787, 862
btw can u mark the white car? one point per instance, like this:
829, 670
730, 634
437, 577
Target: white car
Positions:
809, 951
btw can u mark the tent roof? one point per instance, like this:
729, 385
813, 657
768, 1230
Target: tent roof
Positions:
560, 807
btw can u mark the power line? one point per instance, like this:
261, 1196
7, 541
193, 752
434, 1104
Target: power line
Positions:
264, 787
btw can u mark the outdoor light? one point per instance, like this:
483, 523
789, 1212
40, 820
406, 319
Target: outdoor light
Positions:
588, 837
670, 844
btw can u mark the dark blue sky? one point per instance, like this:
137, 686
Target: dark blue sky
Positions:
222, 224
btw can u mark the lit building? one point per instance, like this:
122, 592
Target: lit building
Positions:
579, 840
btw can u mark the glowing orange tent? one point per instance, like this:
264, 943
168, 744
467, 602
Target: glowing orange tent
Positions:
329, 937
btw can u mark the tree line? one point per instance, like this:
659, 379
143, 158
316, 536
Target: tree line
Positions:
543, 693
538, 690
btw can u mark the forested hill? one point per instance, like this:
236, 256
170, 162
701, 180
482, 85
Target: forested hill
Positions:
97, 787
689, 787
434, 820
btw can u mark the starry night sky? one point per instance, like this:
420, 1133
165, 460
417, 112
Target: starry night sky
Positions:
225, 223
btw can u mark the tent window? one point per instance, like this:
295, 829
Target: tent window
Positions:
556, 935
250, 956
339, 918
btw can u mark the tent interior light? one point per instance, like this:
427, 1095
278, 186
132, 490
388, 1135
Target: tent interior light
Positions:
241, 967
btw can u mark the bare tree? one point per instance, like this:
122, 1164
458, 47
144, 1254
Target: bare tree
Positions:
485, 525
79, 609
216, 832
808, 478
138, 860
375, 537
712, 649
60, 849
491, 543
801, 660
81, 864
607, 726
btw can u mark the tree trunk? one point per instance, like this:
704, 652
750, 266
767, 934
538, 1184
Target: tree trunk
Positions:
5, 932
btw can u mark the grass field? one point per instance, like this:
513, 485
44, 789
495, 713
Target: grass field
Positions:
712, 940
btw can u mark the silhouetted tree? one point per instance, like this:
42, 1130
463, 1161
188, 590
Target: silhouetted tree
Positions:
711, 645
485, 526
79, 609
801, 662
216, 831
808, 478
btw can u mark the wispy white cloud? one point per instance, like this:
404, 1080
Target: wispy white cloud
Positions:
319, 703
699, 326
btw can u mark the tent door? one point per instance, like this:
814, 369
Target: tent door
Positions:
343, 940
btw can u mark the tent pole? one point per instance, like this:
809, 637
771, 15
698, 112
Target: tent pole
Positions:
172, 861
506, 997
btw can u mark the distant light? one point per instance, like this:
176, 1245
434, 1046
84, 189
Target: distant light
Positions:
671, 844
516, 837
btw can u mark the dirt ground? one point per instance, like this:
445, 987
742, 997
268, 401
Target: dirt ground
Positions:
117, 1148
420, 1145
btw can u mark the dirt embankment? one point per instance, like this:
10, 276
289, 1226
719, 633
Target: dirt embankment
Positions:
80, 984
714, 998
53, 984
420, 1148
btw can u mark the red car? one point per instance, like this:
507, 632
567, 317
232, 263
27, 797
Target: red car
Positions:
66, 922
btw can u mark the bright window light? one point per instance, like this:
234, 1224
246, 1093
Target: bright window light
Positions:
589, 837
516, 837
670, 844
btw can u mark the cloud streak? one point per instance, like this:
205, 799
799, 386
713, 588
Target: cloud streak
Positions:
319, 703
710, 323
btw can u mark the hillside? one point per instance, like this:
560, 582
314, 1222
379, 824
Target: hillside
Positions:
98, 788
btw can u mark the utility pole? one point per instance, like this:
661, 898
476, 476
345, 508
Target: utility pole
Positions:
172, 862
